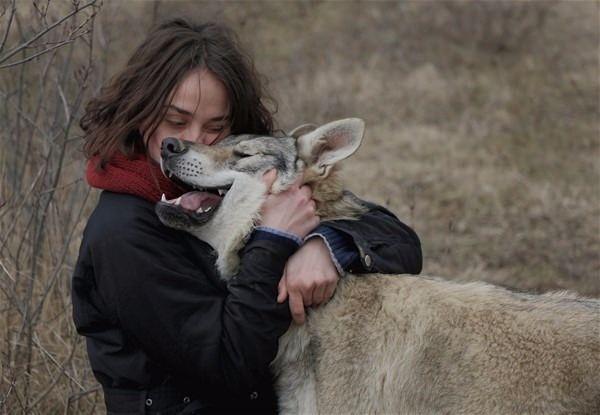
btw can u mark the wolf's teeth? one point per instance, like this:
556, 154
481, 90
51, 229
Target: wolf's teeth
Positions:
170, 174
163, 198
200, 210
208, 209
177, 201
222, 192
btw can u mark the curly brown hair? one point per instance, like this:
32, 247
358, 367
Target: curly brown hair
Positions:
139, 93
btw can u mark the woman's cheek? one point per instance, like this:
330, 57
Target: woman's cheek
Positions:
155, 141
218, 137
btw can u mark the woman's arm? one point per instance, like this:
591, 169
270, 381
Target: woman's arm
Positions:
375, 243
384, 244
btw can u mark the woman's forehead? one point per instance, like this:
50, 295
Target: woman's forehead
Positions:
201, 93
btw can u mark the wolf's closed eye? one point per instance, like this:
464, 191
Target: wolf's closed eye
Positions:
241, 153
248, 160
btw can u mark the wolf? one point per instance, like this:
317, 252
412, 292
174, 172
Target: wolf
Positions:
385, 343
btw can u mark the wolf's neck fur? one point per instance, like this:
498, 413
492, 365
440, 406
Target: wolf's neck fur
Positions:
226, 232
332, 201
233, 222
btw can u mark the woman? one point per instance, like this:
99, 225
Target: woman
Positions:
164, 332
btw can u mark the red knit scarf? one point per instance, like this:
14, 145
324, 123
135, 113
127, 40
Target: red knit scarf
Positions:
138, 176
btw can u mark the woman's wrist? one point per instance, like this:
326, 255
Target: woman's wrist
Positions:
341, 246
281, 233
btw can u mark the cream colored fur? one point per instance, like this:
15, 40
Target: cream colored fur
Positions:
417, 345
227, 232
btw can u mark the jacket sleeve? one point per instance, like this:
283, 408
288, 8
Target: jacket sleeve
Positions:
385, 244
221, 339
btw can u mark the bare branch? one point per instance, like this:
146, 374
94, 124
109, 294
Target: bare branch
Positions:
64, 102
29, 120
62, 370
23, 201
24, 45
29, 58
55, 275
76, 396
13, 9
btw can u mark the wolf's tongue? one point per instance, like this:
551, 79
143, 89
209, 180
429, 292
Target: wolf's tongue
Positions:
195, 200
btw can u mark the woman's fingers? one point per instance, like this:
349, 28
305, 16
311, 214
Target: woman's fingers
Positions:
297, 307
306, 192
298, 181
329, 291
269, 178
292, 210
319, 295
307, 293
282, 289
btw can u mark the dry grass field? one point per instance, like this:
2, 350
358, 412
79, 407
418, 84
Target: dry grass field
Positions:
483, 134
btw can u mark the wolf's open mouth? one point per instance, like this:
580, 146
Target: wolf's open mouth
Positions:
199, 204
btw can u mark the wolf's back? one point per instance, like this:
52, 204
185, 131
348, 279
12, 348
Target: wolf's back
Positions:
405, 344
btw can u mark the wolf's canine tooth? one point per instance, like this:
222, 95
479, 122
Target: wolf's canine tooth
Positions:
163, 198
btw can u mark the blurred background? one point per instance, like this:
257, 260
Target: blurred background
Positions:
482, 134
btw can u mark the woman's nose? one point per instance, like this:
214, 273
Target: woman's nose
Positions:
171, 146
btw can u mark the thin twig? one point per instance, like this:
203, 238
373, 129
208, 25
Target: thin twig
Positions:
64, 102
76, 396
24, 45
13, 10
63, 255
62, 370
29, 58
9, 290
29, 120
23, 201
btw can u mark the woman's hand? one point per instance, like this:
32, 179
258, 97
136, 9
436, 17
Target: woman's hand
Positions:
291, 211
309, 278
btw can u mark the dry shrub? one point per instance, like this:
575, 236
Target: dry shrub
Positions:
45, 70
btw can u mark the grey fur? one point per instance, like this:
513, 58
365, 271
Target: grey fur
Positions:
402, 344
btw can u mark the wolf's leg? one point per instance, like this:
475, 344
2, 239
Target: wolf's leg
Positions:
295, 385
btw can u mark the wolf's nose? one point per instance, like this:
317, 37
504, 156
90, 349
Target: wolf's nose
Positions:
171, 146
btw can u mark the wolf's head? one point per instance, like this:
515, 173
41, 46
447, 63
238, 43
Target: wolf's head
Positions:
228, 190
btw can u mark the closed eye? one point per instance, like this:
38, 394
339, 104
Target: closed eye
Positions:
241, 154
177, 123
250, 162
216, 129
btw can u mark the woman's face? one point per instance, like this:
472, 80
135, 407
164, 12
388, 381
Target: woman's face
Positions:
198, 112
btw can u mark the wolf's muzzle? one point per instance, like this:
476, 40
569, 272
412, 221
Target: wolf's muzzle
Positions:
172, 147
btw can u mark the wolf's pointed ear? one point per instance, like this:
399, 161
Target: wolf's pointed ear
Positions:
301, 130
330, 143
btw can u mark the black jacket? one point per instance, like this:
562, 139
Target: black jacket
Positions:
151, 304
